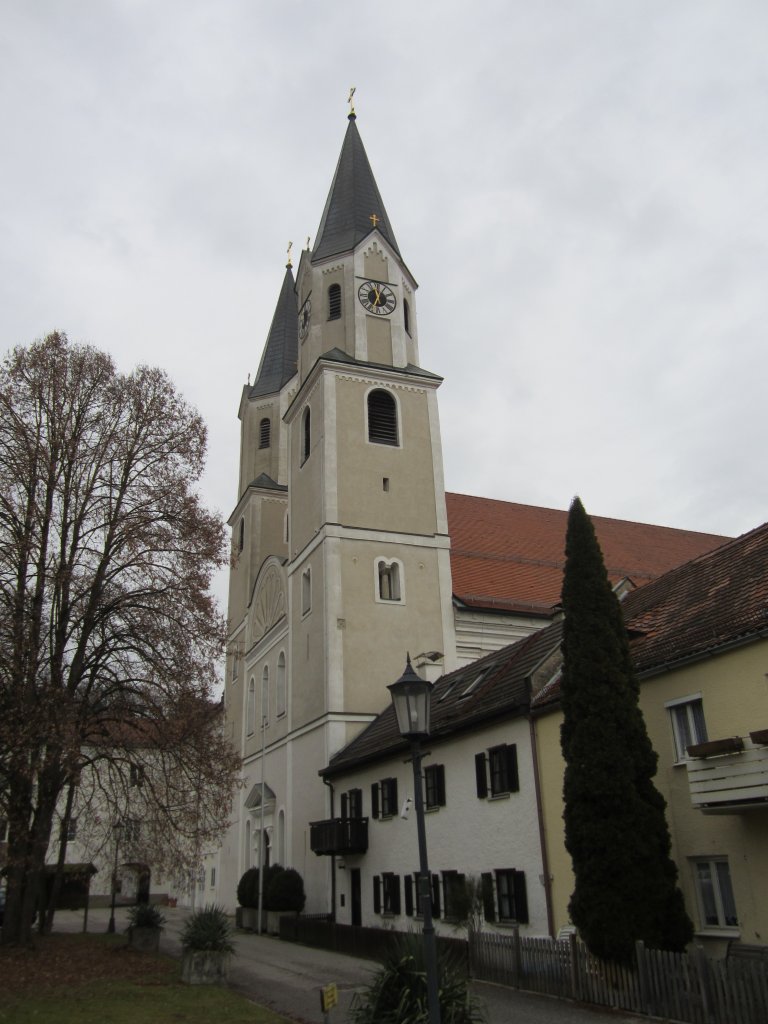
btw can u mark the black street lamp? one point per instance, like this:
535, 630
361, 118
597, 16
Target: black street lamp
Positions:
411, 696
116, 830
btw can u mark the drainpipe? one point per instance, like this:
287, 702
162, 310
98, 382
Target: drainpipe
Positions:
542, 837
333, 861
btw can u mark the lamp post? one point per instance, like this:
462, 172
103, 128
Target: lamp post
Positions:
116, 830
411, 696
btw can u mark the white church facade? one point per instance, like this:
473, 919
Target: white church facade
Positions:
346, 552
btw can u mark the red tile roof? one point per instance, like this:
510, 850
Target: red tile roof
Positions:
510, 557
715, 600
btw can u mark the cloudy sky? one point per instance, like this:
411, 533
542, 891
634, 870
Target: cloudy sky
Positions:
579, 187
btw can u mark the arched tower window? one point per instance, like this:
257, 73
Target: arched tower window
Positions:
382, 418
265, 428
334, 302
281, 696
241, 535
250, 708
407, 315
265, 696
306, 435
389, 580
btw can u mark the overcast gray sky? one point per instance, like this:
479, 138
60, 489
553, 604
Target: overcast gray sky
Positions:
579, 188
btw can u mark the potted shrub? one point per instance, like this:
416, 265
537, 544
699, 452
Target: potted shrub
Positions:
145, 923
248, 897
284, 895
206, 943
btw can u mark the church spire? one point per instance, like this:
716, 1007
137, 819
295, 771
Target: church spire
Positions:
278, 362
354, 206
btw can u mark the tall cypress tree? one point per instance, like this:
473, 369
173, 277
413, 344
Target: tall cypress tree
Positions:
615, 828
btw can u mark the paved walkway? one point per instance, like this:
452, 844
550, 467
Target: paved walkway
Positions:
287, 978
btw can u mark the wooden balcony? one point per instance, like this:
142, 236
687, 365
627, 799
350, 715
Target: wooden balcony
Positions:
728, 776
338, 835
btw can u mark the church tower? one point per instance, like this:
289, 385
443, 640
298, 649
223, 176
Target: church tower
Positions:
340, 541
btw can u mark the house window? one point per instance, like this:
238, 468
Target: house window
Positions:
264, 433
306, 435
715, 893
496, 772
384, 798
241, 535
334, 302
250, 708
382, 418
306, 592
235, 663
688, 724
386, 894
213, 877
512, 898
71, 829
352, 804
434, 785
432, 887
265, 696
137, 775
389, 580
281, 695
454, 892
407, 315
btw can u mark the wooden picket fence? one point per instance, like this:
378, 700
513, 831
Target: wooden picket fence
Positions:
679, 986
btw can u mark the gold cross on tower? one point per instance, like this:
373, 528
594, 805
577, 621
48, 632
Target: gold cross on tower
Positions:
290, 246
374, 219
349, 100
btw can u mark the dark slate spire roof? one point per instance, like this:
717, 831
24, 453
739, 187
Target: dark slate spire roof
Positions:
353, 198
278, 362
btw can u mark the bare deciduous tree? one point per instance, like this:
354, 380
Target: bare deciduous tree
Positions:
109, 635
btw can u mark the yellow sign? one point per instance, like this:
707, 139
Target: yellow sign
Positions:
329, 997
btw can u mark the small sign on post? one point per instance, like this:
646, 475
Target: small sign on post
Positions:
329, 997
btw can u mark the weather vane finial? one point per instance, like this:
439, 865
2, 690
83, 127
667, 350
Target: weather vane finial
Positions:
289, 264
349, 101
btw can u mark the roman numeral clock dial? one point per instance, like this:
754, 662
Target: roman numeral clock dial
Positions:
377, 297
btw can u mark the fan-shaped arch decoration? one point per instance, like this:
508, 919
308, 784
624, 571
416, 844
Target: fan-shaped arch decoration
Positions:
268, 602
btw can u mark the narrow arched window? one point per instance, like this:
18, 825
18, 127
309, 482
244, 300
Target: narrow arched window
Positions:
389, 581
265, 697
280, 696
407, 315
241, 535
250, 708
306, 435
264, 433
334, 302
382, 418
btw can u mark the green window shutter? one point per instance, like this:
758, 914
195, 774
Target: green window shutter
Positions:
435, 896
512, 772
375, 800
441, 785
376, 894
408, 883
481, 775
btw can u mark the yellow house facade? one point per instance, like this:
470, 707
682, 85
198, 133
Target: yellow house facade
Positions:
699, 639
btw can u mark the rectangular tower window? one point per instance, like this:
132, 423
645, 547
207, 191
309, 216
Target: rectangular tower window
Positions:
306, 592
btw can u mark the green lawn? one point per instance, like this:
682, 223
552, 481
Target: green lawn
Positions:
96, 979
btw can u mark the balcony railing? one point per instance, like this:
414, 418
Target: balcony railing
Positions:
339, 835
726, 776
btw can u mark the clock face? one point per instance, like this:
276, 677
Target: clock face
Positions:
304, 316
377, 297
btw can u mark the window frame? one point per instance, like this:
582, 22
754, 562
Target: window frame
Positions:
434, 787
453, 890
721, 894
497, 772
689, 724
384, 798
511, 896
394, 570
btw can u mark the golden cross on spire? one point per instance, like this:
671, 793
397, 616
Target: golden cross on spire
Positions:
289, 263
374, 219
349, 100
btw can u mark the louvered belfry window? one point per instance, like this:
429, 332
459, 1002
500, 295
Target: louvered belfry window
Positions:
334, 302
382, 418
264, 433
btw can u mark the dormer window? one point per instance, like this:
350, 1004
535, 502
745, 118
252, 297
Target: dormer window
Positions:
382, 418
334, 302
264, 433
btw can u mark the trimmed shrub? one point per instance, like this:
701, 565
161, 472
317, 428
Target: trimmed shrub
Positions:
286, 891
